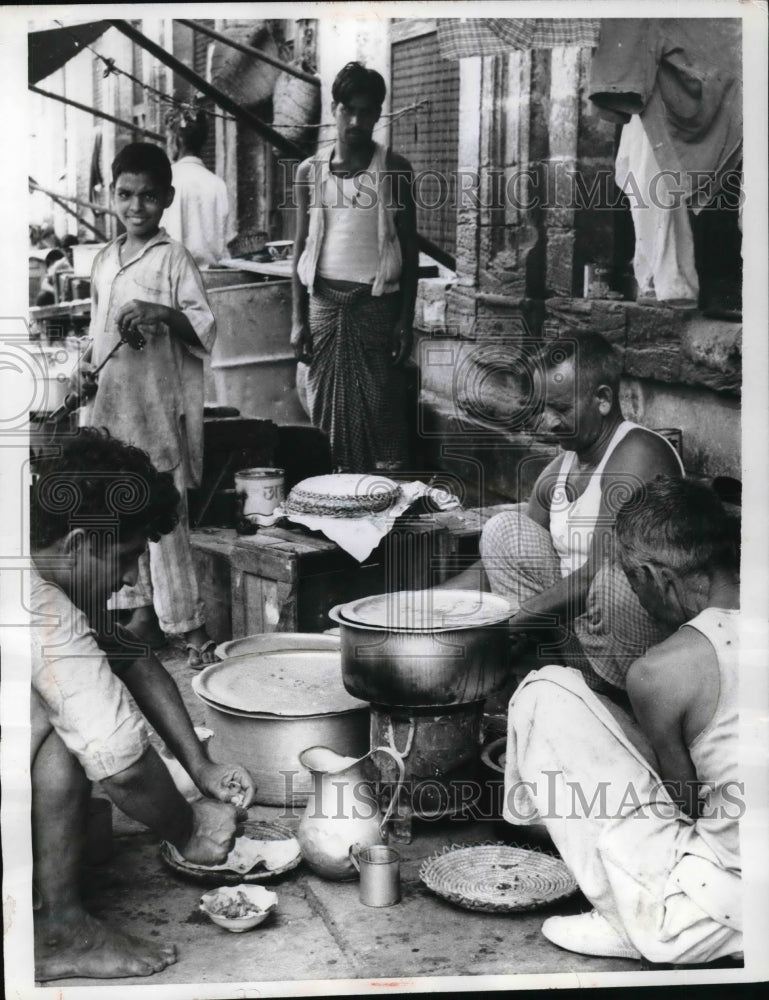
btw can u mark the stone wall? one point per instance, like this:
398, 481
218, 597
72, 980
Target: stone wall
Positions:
538, 203
680, 370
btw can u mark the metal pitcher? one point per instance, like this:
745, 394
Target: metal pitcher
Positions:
342, 810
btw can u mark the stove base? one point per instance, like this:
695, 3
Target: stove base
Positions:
440, 751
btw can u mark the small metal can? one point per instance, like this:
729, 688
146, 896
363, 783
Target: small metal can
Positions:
380, 874
262, 491
597, 281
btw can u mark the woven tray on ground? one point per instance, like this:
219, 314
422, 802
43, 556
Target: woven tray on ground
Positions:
497, 878
252, 828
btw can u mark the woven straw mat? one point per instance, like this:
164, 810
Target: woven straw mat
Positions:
496, 878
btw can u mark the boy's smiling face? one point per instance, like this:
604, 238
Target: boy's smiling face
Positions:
140, 202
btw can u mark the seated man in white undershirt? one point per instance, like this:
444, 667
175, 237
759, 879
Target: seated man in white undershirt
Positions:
546, 556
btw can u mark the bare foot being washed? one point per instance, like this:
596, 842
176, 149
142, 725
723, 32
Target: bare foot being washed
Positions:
80, 946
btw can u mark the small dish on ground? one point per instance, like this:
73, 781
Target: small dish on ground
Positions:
238, 908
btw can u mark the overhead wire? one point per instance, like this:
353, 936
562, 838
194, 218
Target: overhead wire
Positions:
185, 106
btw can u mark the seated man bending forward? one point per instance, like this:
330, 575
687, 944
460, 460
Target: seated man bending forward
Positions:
547, 558
93, 508
645, 811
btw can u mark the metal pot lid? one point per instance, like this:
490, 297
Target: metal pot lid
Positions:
268, 716
268, 641
427, 610
282, 682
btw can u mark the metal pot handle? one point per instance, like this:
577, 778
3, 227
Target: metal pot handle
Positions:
353, 855
398, 758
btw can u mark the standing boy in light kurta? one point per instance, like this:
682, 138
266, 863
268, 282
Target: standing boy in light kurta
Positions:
146, 285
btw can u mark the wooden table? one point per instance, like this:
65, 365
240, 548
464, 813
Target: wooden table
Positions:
269, 269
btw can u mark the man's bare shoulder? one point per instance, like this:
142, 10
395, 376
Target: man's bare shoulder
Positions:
645, 454
670, 673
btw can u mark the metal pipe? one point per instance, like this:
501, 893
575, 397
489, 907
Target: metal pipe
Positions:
65, 206
221, 99
75, 399
97, 114
241, 360
75, 201
434, 251
250, 51
226, 103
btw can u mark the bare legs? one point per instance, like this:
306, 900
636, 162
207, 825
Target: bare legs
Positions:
144, 624
69, 942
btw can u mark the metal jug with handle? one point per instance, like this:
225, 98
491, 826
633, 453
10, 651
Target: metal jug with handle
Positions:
342, 810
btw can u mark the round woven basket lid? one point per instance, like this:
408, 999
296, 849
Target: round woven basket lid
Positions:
342, 495
497, 878
428, 610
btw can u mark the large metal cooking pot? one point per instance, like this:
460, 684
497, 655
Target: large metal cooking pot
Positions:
269, 744
414, 667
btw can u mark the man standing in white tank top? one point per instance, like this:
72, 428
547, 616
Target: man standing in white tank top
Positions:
355, 281
645, 809
551, 558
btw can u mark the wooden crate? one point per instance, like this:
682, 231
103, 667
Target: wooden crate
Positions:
285, 580
211, 552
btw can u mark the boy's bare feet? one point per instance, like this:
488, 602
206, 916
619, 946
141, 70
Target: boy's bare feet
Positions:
144, 625
200, 648
80, 946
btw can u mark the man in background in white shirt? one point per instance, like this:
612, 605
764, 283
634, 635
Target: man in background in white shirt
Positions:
198, 215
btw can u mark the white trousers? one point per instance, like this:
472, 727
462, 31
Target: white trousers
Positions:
167, 579
581, 769
664, 245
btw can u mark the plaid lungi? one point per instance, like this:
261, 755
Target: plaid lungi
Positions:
459, 38
355, 393
520, 562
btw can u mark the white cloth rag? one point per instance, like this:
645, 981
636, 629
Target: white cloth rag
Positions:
359, 536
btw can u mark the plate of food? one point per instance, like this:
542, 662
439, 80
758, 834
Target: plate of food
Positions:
238, 908
264, 851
